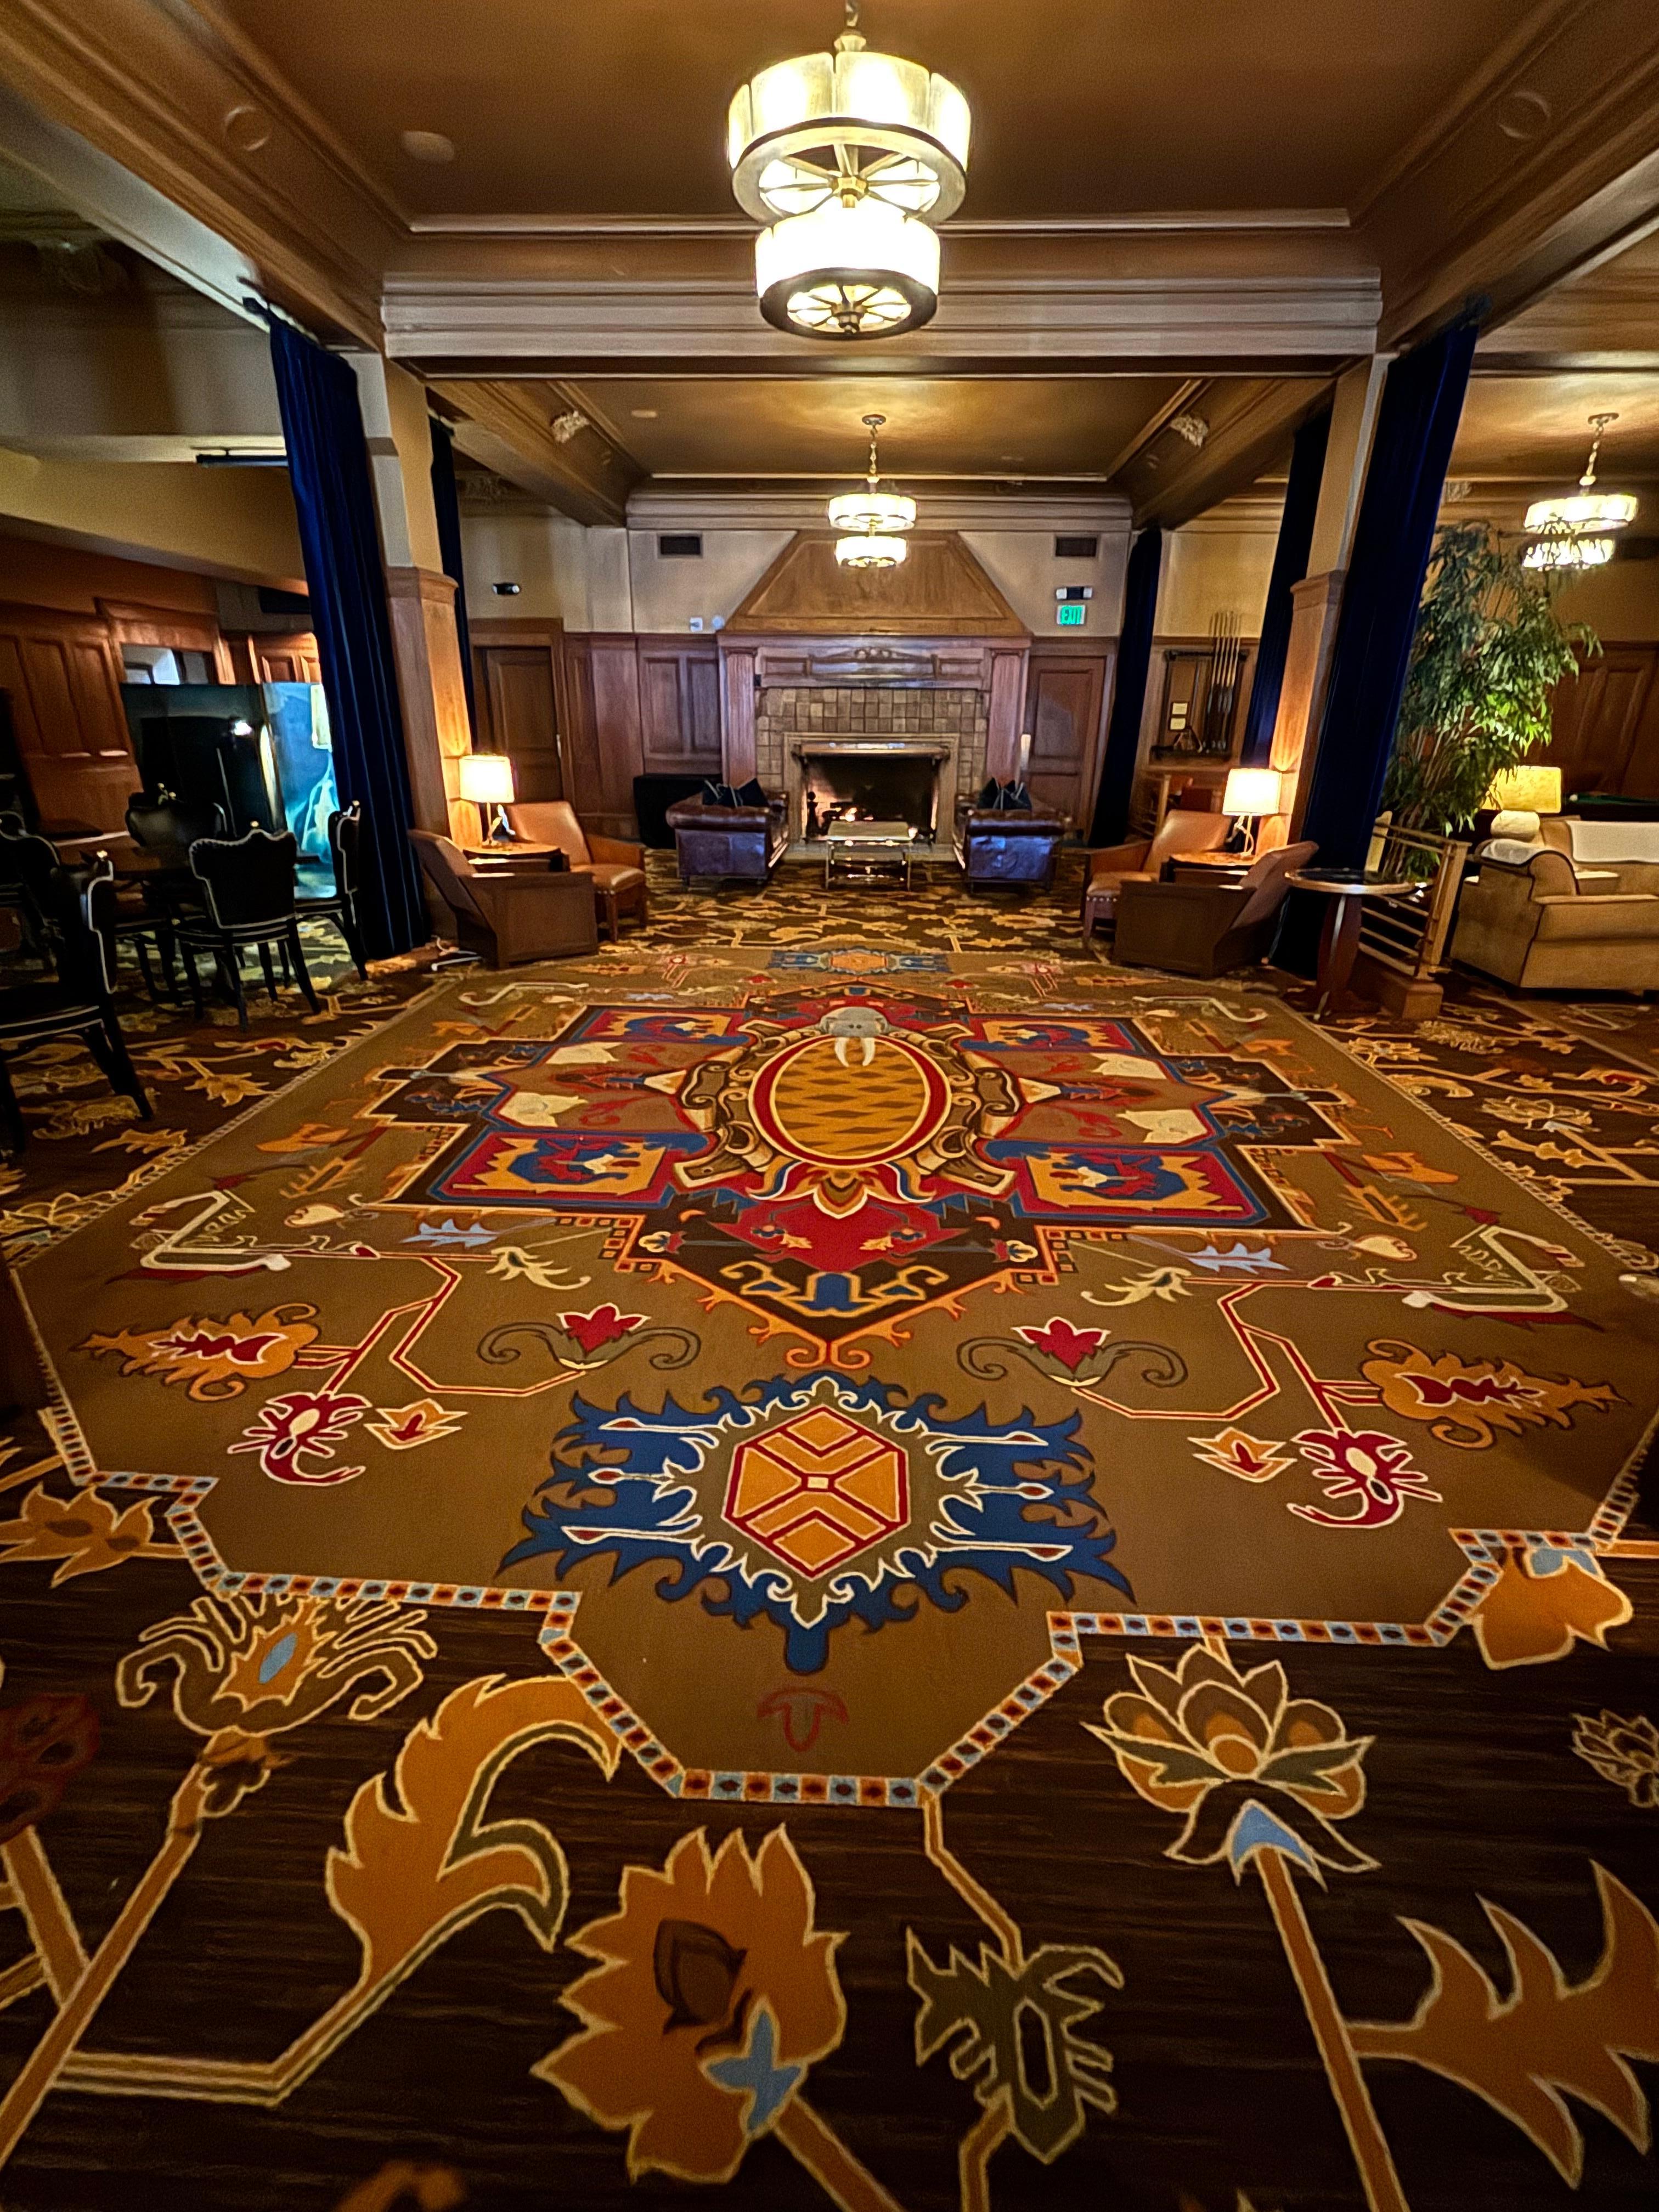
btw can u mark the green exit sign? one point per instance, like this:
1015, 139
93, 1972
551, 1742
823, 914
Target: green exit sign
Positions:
1072, 614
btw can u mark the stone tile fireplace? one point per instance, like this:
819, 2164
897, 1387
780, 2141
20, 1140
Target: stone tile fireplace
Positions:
878, 752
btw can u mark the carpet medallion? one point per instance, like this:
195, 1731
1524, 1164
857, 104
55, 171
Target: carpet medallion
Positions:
819, 1346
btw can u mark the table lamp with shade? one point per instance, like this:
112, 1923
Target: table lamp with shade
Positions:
1250, 793
487, 780
1521, 794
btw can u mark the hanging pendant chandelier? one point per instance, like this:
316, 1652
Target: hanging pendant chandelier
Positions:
1572, 532
871, 519
871, 511
841, 155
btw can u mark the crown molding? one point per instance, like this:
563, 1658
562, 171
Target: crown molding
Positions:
1152, 222
450, 325
658, 506
1544, 162
167, 93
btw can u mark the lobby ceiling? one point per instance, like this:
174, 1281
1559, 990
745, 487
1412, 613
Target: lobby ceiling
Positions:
598, 108
1206, 211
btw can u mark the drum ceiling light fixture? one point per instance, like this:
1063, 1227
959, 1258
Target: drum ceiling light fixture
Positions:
871, 519
1572, 532
841, 155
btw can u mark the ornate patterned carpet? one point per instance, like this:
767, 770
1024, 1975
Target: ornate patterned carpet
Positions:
890, 1568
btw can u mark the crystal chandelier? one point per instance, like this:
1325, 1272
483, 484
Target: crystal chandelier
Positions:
841, 155
871, 519
1572, 532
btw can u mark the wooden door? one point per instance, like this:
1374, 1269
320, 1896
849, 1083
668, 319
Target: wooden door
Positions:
62, 676
1597, 717
1065, 701
518, 714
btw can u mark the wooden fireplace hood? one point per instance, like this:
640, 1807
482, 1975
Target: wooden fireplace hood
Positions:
940, 592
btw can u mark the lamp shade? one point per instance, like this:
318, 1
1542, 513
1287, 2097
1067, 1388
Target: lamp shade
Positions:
843, 272
1252, 791
487, 779
1528, 789
861, 550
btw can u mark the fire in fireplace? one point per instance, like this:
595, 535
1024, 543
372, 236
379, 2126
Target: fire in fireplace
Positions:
846, 780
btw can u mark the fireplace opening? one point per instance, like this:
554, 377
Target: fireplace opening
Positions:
853, 782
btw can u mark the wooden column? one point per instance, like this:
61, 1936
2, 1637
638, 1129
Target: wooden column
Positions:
436, 732
1317, 599
1316, 602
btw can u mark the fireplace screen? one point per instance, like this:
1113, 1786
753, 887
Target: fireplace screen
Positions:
870, 783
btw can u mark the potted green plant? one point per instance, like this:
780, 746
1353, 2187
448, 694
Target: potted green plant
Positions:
1489, 649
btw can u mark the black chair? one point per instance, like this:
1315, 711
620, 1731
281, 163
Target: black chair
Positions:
76, 906
165, 826
247, 888
26, 866
170, 826
345, 830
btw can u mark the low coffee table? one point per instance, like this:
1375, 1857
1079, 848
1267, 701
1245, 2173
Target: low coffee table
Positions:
858, 851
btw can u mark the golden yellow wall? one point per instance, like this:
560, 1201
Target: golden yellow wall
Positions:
238, 523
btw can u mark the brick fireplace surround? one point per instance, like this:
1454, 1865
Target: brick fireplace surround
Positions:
956, 719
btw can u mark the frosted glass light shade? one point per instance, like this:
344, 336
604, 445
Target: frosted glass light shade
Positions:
487, 779
901, 129
868, 509
1529, 787
844, 272
1568, 551
1252, 791
1590, 512
870, 552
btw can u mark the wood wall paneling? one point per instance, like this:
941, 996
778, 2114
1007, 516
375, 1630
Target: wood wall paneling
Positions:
619, 746
1065, 713
1606, 723
133, 622
62, 673
680, 706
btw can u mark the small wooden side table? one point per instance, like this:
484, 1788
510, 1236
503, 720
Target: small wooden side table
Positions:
1226, 868
1347, 890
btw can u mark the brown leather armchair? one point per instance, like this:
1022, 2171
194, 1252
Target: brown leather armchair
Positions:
1183, 830
999, 849
616, 867
510, 913
742, 844
1205, 929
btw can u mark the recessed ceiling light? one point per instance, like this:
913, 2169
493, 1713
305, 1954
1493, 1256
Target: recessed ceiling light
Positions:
427, 146
643, 414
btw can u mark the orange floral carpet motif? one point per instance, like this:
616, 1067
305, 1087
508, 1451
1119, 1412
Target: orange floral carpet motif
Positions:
903, 1571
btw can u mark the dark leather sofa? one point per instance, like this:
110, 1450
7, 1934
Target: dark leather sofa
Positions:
740, 844
997, 848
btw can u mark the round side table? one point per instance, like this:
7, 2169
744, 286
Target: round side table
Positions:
1347, 889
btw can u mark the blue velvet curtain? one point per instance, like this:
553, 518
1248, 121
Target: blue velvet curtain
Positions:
328, 468
1134, 654
447, 503
1416, 424
1296, 529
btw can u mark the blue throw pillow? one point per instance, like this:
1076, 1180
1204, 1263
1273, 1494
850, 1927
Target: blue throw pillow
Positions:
718, 794
752, 794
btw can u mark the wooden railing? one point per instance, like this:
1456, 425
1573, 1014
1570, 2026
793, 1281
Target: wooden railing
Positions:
1409, 936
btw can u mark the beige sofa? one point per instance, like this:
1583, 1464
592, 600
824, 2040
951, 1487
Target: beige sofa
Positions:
1608, 856
1532, 923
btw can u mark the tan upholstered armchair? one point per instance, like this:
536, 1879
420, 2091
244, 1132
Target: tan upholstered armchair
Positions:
1206, 929
618, 868
1530, 923
1183, 830
508, 914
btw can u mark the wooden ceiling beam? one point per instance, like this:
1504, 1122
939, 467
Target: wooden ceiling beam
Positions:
1543, 165
509, 428
1248, 430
